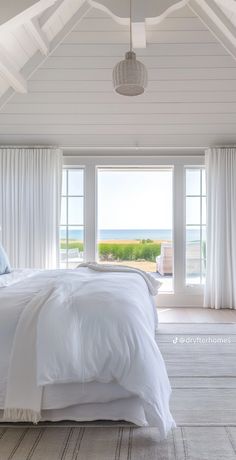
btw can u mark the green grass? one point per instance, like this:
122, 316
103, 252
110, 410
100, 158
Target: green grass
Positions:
117, 251
72, 245
132, 251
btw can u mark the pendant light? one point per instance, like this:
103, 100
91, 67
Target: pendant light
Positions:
130, 76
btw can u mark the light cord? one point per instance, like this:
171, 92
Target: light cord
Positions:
130, 26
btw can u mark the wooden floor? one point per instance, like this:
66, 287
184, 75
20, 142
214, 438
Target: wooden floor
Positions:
195, 315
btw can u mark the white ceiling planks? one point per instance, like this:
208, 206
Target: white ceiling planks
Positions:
67, 55
190, 101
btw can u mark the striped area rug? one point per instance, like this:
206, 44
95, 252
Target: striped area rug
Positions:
117, 443
201, 363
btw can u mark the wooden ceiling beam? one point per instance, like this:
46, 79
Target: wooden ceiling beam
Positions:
14, 78
37, 60
217, 22
51, 12
38, 35
21, 16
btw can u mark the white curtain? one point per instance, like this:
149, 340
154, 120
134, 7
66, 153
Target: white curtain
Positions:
220, 289
30, 198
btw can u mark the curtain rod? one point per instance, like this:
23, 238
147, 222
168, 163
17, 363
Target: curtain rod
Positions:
222, 146
96, 149
29, 146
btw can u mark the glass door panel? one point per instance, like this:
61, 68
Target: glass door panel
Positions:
135, 220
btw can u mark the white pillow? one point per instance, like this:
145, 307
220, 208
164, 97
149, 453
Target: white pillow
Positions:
4, 262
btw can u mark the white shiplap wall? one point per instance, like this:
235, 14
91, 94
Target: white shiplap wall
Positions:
190, 101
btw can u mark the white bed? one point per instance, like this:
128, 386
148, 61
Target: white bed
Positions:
125, 381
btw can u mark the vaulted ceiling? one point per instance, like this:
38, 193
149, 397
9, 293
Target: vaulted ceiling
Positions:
56, 78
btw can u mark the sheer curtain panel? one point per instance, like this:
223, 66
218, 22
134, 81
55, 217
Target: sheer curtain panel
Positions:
30, 199
220, 289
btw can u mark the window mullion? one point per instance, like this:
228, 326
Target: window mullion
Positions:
201, 226
90, 212
67, 221
179, 227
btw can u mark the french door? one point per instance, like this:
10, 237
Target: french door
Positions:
147, 212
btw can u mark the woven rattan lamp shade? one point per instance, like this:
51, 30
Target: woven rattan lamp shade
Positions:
130, 76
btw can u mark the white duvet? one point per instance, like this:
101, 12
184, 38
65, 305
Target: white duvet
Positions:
90, 326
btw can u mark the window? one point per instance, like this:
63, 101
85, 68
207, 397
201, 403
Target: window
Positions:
139, 208
72, 218
135, 220
195, 226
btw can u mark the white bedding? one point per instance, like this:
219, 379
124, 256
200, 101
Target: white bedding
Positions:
102, 331
16, 276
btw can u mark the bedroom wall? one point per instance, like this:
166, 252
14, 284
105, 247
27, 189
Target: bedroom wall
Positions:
190, 101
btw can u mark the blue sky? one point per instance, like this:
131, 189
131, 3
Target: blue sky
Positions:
135, 199
132, 199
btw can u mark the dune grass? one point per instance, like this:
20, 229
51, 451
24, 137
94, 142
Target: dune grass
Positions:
132, 251
72, 244
140, 250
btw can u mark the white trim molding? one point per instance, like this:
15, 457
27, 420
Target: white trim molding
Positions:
148, 12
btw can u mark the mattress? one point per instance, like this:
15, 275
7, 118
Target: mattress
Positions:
87, 402
128, 409
69, 394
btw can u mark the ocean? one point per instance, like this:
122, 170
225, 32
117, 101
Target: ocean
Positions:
131, 234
